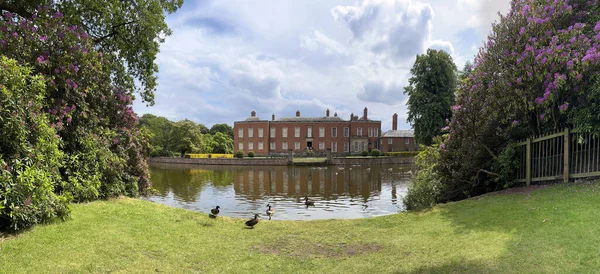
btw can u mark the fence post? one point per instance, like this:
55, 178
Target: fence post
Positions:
528, 163
567, 145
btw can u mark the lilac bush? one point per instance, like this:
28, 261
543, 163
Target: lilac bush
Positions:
91, 114
536, 73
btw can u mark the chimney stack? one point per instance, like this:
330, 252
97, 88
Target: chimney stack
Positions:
273, 117
327, 113
365, 114
395, 122
335, 114
351, 116
297, 113
253, 113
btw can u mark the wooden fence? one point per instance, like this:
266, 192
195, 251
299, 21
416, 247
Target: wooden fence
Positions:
560, 156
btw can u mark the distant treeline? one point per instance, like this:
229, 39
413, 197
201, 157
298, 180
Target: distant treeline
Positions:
170, 138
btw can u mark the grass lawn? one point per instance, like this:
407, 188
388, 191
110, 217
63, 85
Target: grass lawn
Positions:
550, 230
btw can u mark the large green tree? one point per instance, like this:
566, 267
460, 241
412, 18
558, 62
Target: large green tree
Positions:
223, 128
128, 33
431, 94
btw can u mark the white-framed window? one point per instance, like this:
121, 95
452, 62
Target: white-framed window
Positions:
390, 141
334, 132
359, 131
272, 132
296, 145
284, 132
240, 146
273, 146
322, 132
333, 146
346, 132
376, 131
250, 132
309, 132
321, 145
355, 146
370, 132
260, 133
284, 145
346, 147
260, 145
250, 145
297, 132
406, 141
241, 133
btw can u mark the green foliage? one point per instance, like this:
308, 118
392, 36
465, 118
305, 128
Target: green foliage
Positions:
401, 153
375, 152
364, 153
129, 35
251, 154
426, 188
222, 128
239, 154
88, 107
30, 157
185, 136
431, 94
536, 73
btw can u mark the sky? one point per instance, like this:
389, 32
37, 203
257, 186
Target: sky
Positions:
225, 58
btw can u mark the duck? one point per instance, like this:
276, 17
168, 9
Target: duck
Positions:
252, 222
215, 211
270, 211
308, 203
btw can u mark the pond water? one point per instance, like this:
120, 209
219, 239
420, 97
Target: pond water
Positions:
338, 192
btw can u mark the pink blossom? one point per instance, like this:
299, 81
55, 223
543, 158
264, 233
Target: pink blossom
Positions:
44, 38
563, 107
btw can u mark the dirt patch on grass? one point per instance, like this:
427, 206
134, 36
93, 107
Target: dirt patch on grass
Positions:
295, 248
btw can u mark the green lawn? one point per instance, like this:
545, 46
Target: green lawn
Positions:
551, 230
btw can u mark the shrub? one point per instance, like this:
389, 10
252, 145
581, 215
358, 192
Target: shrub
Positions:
30, 158
364, 153
401, 153
426, 189
239, 154
375, 152
251, 154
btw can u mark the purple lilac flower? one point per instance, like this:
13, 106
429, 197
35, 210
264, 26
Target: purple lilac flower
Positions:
563, 107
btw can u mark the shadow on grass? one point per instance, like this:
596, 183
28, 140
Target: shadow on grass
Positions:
456, 267
551, 228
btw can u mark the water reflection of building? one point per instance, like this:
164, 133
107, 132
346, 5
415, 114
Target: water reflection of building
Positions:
328, 183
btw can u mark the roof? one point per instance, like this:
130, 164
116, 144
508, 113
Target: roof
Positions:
399, 133
253, 119
310, 119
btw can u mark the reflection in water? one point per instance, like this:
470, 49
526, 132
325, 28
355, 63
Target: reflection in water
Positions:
348, 192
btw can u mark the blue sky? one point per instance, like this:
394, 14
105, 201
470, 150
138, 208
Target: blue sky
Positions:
227, 58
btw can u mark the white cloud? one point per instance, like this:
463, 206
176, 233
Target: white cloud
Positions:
227, 58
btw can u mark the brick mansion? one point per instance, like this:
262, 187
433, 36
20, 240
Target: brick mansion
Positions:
278, 136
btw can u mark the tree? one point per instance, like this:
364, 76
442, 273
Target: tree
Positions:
85, 101
188, 137
223, 128
128, 33
222, 143
431, 94
162, 132
203, 129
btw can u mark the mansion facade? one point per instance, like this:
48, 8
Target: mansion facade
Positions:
279, 136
